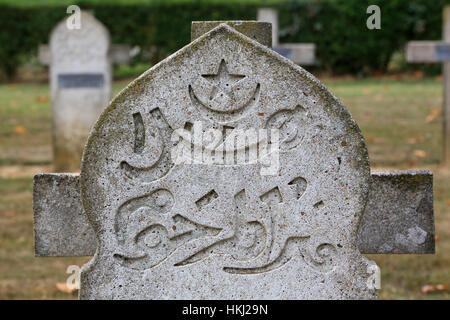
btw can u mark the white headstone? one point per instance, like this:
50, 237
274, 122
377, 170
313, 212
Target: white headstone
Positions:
80, 84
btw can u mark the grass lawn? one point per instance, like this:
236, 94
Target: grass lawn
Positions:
400, 120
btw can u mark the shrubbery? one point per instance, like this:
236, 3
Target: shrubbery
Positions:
338, 27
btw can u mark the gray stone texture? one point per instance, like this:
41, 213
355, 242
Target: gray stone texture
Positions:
399, 214
61, 227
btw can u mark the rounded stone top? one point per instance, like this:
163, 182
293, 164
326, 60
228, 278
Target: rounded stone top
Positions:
257, 30
223, 228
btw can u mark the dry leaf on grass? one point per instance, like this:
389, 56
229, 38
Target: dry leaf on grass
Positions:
419, 153
428, 288
411, 163
379, 98
8, 213
62, 286
434, 113
42, 99
447, 202
374, 140
20, 130
415, 140
418, 74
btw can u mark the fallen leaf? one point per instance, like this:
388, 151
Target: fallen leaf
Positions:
411, 163
428, 288
447, 202
386, 86
9, 213
433, 114
374, 140
20, 130
419, 153
42, 99
418, 74
436, 238
62, 286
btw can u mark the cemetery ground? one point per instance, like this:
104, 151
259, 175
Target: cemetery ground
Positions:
400, 120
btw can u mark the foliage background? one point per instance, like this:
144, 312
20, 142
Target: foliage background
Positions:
337, 27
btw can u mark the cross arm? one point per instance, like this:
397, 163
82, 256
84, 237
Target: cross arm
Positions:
301, 53
398, 217
427, 51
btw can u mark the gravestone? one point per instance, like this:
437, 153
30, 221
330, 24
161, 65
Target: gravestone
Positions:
437, 52
202, 229
80, 84
301, 53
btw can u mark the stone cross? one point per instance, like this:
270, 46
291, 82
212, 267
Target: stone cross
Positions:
214, 223
437, 52
80, 84
301, 53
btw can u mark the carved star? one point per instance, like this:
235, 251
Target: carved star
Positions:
222, 81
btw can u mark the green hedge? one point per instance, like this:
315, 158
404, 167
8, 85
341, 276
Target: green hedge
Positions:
338, 27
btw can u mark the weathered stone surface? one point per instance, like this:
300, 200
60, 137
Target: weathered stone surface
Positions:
80, 84
225, 231
376, 233
60, 226
399, 214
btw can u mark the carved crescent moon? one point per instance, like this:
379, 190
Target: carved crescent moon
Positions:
226, 116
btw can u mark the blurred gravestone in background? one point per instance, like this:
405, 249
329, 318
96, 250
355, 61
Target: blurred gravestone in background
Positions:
80, 84
437, 52
300, 53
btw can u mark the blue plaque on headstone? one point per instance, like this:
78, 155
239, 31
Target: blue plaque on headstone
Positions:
442, 52
285, 52
81, 80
